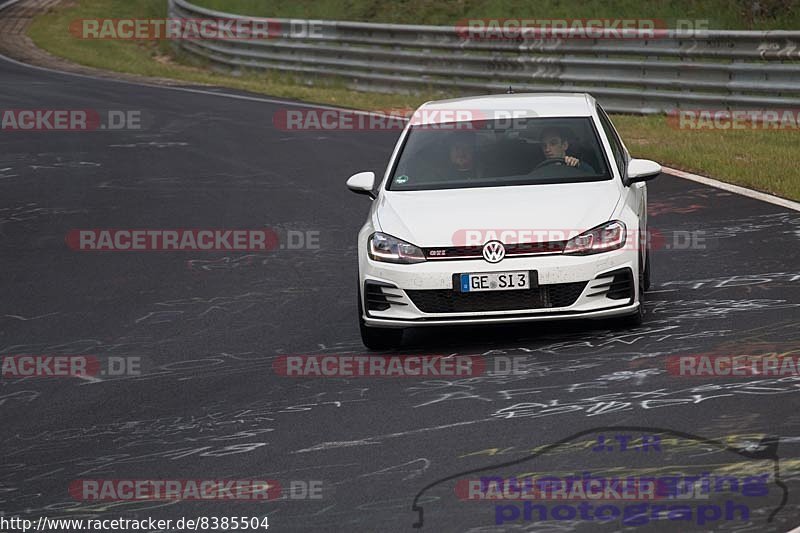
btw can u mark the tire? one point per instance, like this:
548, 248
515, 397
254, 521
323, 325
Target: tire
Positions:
377, 338
646, 279
636, 319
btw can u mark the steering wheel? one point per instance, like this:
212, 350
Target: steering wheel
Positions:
550, 161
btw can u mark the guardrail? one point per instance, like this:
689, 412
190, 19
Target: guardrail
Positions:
643, 75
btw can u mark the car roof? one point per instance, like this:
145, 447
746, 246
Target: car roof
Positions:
520, 104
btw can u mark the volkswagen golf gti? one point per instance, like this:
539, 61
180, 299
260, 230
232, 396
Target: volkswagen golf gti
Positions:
503, 209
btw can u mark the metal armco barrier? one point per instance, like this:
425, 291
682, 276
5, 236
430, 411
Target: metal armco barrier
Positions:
673, 70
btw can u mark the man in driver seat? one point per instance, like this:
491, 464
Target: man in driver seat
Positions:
555, 146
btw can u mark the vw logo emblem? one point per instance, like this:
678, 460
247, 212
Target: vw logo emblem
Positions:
494, 251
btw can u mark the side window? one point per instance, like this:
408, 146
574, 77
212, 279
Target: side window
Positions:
613, 140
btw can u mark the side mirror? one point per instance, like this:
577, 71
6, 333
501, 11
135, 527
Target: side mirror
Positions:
364, 182
642, 170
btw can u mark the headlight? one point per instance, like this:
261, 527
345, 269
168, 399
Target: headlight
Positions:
609, 236
382, 247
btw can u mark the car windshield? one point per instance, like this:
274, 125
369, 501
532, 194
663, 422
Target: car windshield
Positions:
500, 152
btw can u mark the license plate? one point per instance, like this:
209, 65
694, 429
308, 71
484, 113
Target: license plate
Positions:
495, 281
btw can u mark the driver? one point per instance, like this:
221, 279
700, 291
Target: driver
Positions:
555, 145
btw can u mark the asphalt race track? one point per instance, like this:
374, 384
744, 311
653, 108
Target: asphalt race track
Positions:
209, 325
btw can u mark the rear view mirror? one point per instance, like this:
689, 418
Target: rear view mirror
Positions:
362, 183
642, 170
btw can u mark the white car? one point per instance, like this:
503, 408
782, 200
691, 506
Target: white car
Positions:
503, 209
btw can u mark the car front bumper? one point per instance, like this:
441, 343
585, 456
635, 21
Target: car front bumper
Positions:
570, 287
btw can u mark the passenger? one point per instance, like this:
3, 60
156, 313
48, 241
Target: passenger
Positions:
461, 155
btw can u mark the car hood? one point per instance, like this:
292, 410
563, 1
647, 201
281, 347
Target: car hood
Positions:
440, 218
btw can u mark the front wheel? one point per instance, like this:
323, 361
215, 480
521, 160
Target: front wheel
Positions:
377, 338
636, 319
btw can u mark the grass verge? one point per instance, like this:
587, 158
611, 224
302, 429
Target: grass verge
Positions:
720, 14
763, 160
50, 31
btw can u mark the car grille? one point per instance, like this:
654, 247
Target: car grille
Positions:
450, 301
476, 252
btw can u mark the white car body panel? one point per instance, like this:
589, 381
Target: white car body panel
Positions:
433, 217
